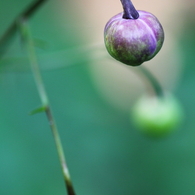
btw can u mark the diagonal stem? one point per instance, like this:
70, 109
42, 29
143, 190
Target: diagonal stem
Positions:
12, 29
25, 31
32, 8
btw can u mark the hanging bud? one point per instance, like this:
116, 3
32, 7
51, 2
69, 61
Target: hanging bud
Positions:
157, 117
133, 41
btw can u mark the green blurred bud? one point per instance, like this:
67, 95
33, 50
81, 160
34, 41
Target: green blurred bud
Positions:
157, 116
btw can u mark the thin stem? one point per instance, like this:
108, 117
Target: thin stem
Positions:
12, 29
129, 10
59, 147
44, 99
155, 85
32, 8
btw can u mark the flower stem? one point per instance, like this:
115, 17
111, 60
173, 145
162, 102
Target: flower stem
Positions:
25, 31
155, 85
129, 10
12, 29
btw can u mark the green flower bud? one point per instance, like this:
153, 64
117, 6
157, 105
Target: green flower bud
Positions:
156, 116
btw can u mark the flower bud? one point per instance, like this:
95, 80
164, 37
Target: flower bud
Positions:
133, 41
156, 116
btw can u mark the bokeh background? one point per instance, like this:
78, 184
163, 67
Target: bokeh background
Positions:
91, 96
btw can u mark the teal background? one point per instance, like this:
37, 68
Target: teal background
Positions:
105, 153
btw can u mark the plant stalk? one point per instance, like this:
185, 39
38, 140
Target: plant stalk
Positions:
12, 29
155, 85
129, 10
25, 31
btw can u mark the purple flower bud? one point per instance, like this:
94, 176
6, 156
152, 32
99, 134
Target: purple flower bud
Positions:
133, 41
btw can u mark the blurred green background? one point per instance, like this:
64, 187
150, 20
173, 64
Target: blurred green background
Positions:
105, 153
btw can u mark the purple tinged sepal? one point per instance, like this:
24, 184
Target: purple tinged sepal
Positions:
133, 41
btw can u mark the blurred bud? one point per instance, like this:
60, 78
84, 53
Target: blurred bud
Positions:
133, 41
156, 116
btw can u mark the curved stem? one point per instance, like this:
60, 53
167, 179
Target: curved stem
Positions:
10, 32
155, 85
46, 107
129, 10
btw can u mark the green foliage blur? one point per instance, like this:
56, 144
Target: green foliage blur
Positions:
104, 152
